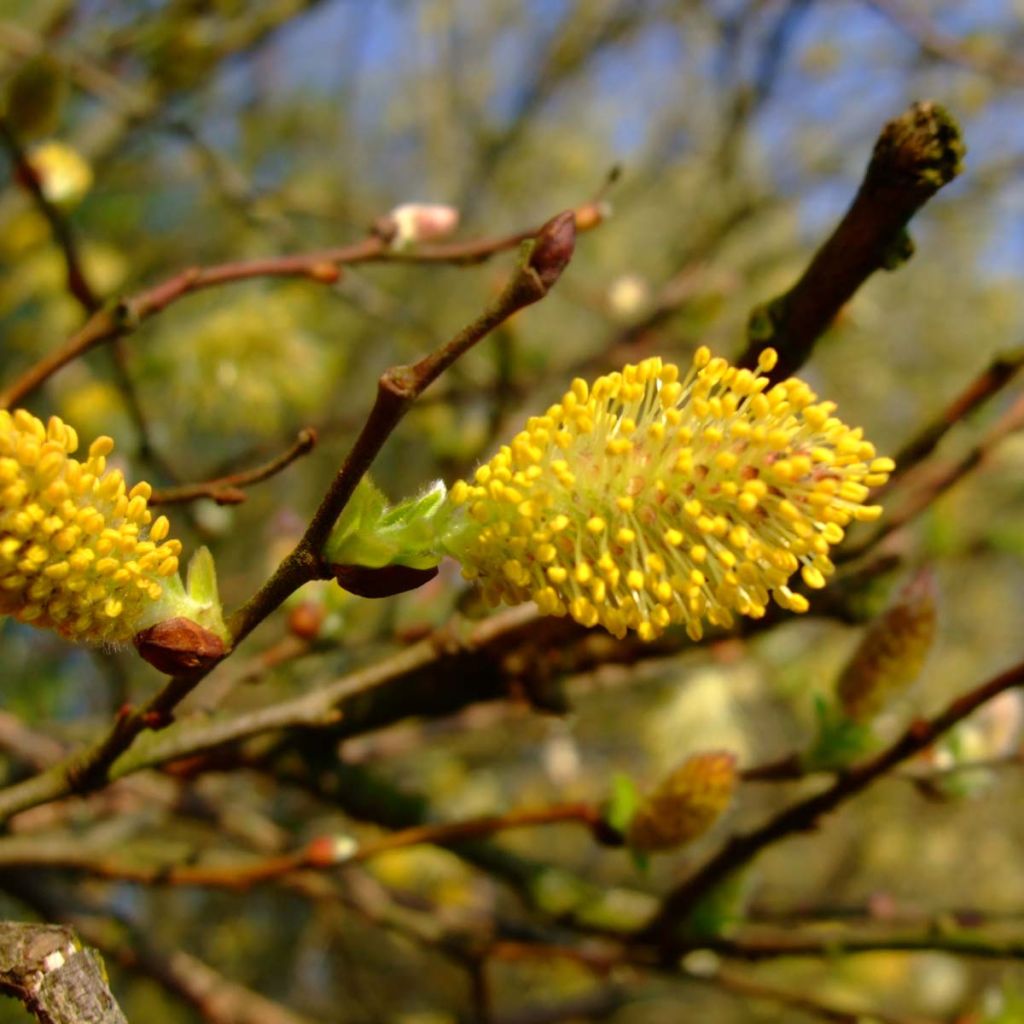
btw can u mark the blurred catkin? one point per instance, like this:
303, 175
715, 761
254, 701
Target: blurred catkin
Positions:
892, 652
685, 804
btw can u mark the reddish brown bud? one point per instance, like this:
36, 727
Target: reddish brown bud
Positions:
179, 645
383, 582
325, 273
590, 215
553, 247
305, 620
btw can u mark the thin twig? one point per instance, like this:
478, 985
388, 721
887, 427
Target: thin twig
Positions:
986, 385
1003, 67
77, 282
228, 490
323, 266
38, 851
931, 482
397, 390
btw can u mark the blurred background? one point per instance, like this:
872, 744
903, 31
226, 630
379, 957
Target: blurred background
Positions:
188, 133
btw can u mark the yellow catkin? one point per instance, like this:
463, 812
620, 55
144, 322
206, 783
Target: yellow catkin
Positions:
79, 552
685, 804
688, 498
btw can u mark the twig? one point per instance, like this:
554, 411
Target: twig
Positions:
988, 383
803, 815
216, 999
1003, 66
916, 154
772, 944
227, 490
323, 266
397, 390
39, 851
930, 483
77, 283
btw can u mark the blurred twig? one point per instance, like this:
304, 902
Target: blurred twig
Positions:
398, 388
916, 154
930, 482
228, 490
77, 283
988, 383
323, 266
1004, 67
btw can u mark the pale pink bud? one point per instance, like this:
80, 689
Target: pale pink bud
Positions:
421, 222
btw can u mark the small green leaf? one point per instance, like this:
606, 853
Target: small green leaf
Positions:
623, 802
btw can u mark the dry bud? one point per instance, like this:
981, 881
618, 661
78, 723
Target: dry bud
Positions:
176, 646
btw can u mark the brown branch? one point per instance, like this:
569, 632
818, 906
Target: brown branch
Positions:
324, 266
227, 490
398, 388
988, 383
39, 851
916, 154
215, 998
77, 283
805, 814
772, 943
931, 482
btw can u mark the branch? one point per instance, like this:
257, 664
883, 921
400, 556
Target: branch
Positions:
988, 383
47, 969
324, 266
398, 388
227, 490
1004, 66
804, 815
217, 999
916, 154
930, 483
40, 851
77, 283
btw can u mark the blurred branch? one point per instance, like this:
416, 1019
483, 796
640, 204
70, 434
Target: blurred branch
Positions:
136, 865
988, 383
45, 967
227, 490
398, 388
1004, 67
931, 482
214, 997
77, 283
916, 154
771, 943
740, 849
323, 266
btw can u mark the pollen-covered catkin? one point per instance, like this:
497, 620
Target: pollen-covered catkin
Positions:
653, 498
80, 553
